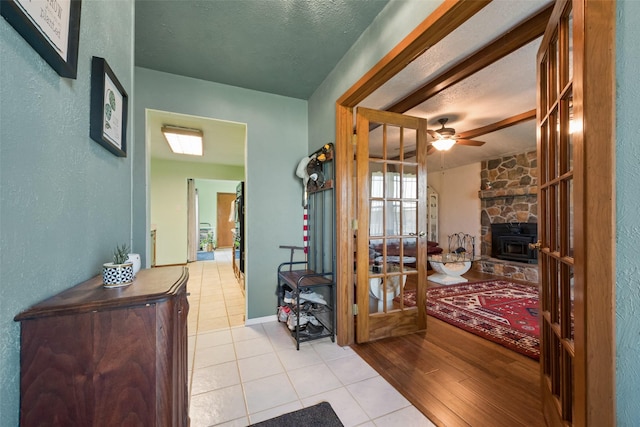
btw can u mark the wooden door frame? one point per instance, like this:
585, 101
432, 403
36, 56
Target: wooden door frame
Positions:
595, 232
594, 228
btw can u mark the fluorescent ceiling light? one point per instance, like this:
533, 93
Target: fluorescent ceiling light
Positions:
443, 144
184, 140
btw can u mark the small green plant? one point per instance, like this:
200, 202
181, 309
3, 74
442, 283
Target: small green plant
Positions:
120, 254
209, 238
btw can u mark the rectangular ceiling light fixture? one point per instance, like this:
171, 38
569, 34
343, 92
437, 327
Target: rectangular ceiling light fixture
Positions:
184, 140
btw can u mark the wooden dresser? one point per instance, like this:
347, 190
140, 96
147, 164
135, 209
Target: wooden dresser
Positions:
92, 356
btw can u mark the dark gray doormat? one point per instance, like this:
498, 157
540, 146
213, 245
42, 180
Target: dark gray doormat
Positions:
320, 415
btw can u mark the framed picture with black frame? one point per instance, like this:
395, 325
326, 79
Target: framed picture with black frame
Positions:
108, 112
51, 27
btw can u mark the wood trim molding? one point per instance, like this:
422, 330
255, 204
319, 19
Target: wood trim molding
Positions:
594, 101
446, 18
344, 194
512, 40
502, 124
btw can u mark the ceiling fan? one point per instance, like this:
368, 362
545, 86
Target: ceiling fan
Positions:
445, 138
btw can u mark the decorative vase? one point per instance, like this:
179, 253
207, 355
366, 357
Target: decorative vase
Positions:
116, 275
135, 260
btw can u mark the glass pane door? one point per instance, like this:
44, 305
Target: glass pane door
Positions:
555, 159
392, 216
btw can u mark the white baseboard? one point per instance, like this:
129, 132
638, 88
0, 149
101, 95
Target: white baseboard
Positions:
259, 320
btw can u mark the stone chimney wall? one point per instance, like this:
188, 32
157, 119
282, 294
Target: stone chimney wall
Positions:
509, 194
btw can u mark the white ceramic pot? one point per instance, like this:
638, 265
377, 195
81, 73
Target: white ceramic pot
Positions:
135, 260
116, 275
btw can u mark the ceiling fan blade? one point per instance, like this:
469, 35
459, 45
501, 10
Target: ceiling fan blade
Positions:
430, 149
434, 134
470, 142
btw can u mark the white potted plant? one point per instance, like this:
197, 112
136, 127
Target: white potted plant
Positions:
208, 243
120, 271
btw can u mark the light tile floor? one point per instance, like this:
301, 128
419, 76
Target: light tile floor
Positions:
240, 375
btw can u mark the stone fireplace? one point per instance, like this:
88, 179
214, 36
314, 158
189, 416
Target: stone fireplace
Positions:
510, 241
508, 200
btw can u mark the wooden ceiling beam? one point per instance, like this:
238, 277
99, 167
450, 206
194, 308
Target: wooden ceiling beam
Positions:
444, 20
509, 42
509, 121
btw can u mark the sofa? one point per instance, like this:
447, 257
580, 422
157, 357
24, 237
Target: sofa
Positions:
376, 249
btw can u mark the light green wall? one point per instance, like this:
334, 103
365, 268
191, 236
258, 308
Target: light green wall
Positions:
276, 141
208, 201
627, 201
65, 201
169, 203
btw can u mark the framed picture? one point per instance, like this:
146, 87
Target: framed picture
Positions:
52, 28
108, 115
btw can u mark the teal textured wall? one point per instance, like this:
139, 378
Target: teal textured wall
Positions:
627, 200
65, 201
276, 141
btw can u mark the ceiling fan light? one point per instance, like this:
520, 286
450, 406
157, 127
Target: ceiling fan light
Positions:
184, 140
443, 144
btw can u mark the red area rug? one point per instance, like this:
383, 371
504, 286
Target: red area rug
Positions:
498, 310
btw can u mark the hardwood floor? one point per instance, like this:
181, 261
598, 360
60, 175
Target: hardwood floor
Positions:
458, 379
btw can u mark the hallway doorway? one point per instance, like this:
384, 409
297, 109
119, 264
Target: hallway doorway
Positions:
224, 149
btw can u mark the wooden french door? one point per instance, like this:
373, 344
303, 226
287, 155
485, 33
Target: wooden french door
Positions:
574, 120
391, 187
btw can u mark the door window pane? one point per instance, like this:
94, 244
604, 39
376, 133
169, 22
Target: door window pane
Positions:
392, 181
376, 218
556, 144
394, 142
558, 219
410, 182
376, 148
573, 126
570, 219
542, 75
409, 217
393, 217
376, 180
570, 313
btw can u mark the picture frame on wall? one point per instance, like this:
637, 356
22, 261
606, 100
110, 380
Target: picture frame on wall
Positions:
51, 27
108, 110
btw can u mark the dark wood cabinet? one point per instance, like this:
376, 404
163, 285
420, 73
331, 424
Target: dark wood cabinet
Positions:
92, 356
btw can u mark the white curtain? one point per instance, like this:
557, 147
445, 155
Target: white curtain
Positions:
394, 209
193, 237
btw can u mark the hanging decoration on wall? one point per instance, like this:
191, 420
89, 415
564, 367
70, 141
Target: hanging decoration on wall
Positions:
310, 171
52, 28
108, 109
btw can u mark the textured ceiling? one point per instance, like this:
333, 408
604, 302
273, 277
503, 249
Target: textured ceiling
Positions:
501, 90
286, 47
